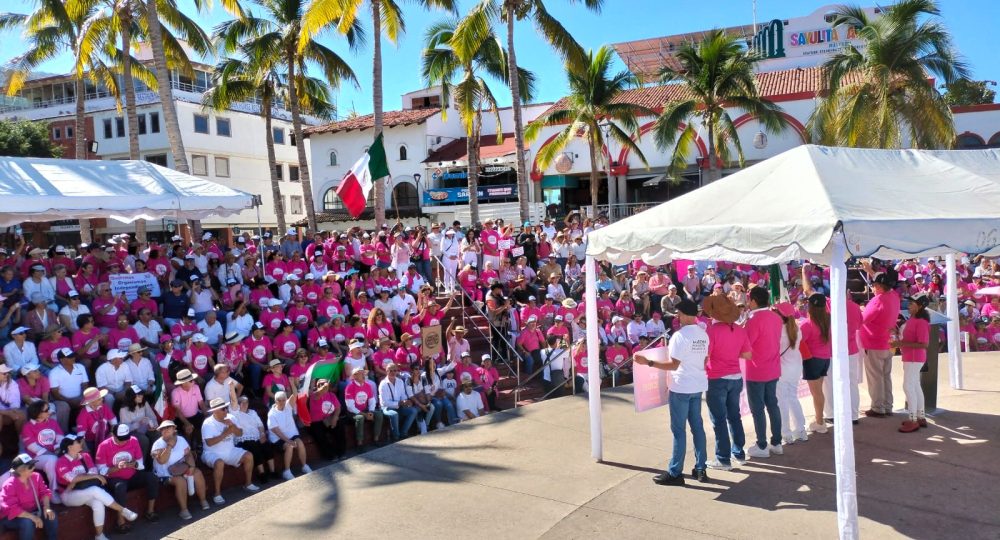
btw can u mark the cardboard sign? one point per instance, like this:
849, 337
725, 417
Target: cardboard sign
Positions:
430, 341
505, 244
131, 283
651, 385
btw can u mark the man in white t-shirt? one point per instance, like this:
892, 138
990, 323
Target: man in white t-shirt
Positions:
284, 435
688, 350
73, 309
469, 402
68, 379
218, 433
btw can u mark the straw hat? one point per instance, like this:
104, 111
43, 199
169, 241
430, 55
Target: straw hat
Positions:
93, 394
184, 376
721, 308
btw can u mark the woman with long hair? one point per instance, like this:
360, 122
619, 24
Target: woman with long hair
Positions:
816, 364
793, 419
913, 345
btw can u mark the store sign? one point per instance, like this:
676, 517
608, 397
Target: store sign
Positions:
459, 195
804, 37
769, 41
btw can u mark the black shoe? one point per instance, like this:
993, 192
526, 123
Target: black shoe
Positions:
855, 422
262, 478
700, 475
666, 479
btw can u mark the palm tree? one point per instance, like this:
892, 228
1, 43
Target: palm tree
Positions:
593, 105
490, 12
441, 65
278, 35
386, 17
257, 75
716, 73
53, 28
881, 95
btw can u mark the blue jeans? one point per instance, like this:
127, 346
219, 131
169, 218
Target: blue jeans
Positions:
686, 409
424, 269
446, 409
256, 373
409, 415
764, 396
26, 528
723, 399
530, 359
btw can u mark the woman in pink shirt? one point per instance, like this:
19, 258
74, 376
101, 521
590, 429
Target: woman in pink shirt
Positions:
378, 327
816, 338
913, 343
25, 501
40, 438
286, 342
82, 485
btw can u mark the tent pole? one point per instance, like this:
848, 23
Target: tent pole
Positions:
954, 332
843, 433
593, 360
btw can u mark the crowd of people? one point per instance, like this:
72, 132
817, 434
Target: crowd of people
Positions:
229, 352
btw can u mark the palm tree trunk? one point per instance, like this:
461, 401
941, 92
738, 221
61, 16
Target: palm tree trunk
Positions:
167, 99
81, 146
594, 177
125, 14
713, 172
472, 152
377, 102
272, 164
300, 146
515, 96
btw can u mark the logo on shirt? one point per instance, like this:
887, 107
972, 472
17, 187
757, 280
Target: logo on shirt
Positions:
47, 437
200, 361
259, 351
361, 398
121, 458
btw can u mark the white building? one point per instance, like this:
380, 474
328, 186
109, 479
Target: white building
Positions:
227, 147
415, 137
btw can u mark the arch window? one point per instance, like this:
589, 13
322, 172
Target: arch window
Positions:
333, 158
405, 195
332, 203
969, 141
402, 153
994, 141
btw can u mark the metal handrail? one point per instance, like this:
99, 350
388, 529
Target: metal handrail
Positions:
614, 372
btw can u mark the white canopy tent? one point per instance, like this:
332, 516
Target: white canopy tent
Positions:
34, 189
825, 204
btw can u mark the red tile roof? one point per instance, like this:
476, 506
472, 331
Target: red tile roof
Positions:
773, 84
389, 119
488, 148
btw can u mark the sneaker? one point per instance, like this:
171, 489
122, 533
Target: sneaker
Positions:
152, 517
909, 427
922, 422
758, 452
440, 425
739, 461
423, 427
666, 479
776, 449
802, 436
55, 499
184, 514
205, 506
872, 413
129, 515
306, 469
251, 488
218, 500
788, 439
817, 428
718, 465
287, 475
700, 475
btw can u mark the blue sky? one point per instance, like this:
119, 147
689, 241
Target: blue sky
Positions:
971, 23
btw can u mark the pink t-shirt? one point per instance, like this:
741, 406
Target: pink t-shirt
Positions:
258, 348
67, 469
285, 345
878, 321
357, 395
323, 405
764, 333
41, 437
186, 401
111, 454
95, 424
916, 330
811, 338
726, 342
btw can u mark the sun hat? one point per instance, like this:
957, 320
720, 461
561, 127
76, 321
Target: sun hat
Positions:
184, 376
216, 404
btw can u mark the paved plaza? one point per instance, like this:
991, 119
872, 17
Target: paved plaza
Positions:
527, 473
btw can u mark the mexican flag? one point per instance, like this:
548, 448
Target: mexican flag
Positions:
360, 180
320, 370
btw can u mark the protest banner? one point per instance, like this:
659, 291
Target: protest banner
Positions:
651, 385
430, 340
131, 283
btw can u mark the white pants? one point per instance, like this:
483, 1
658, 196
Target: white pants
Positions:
793, 420
495, 259
450, 273
401, 269
911, 387
47, 463
854, 365
94, 497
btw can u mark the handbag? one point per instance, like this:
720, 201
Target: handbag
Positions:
178, 469
88, 483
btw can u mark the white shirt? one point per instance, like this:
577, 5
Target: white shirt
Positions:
387, 307
557, 362
390, 394
149, 333
580, 250
176, 454
227, 271
689, 345
72, 314
17, 358
472, 402
213, 428
215, 389
140, 374
107, 376
549, 230
213, 332
451, 246
242, 324
655, 328
250, 423
69, 384
402, 304
202, 301
282, 420
635, 329
434, 239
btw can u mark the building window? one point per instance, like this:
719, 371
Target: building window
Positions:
291, 138
994, 140
57, 133
222, 167
279, 171
293, 173
69, 132
969, 141
201, 124
199, 165
119, 127
107, 129
402, 153
333, 158
279, 135
142, 123
404, 195
154, 122
295, 203
331, 201
158, 159
222, 127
